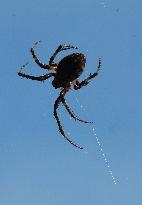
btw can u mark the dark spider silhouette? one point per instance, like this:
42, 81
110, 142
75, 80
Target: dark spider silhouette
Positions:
66, 75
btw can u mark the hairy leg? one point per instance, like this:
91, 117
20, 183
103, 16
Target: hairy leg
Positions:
59, 49
38, 78
71, 112
56, 105
85, 82
42, 65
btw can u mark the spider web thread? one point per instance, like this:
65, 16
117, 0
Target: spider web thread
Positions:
105, 159
107, 163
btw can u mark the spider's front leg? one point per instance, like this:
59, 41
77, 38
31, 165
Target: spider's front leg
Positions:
60, 48
38, 78
56, 105
85, 82
71, 113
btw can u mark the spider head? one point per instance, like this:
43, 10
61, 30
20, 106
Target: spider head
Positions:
57, 84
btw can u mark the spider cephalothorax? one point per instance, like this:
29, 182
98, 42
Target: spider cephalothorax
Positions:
65, 74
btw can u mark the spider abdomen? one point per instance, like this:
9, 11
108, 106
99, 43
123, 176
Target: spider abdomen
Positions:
69, 69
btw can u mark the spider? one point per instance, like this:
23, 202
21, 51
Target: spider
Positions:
65, 74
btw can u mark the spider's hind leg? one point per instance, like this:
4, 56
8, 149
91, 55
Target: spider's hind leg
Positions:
38, 62
85, 82
38, 78
60, 48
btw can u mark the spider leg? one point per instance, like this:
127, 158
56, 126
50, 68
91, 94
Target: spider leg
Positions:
85, 82
38, 78
42, 65
56, 105
59, 49
71, 113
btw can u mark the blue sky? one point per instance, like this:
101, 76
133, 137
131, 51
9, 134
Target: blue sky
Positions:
37, 166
